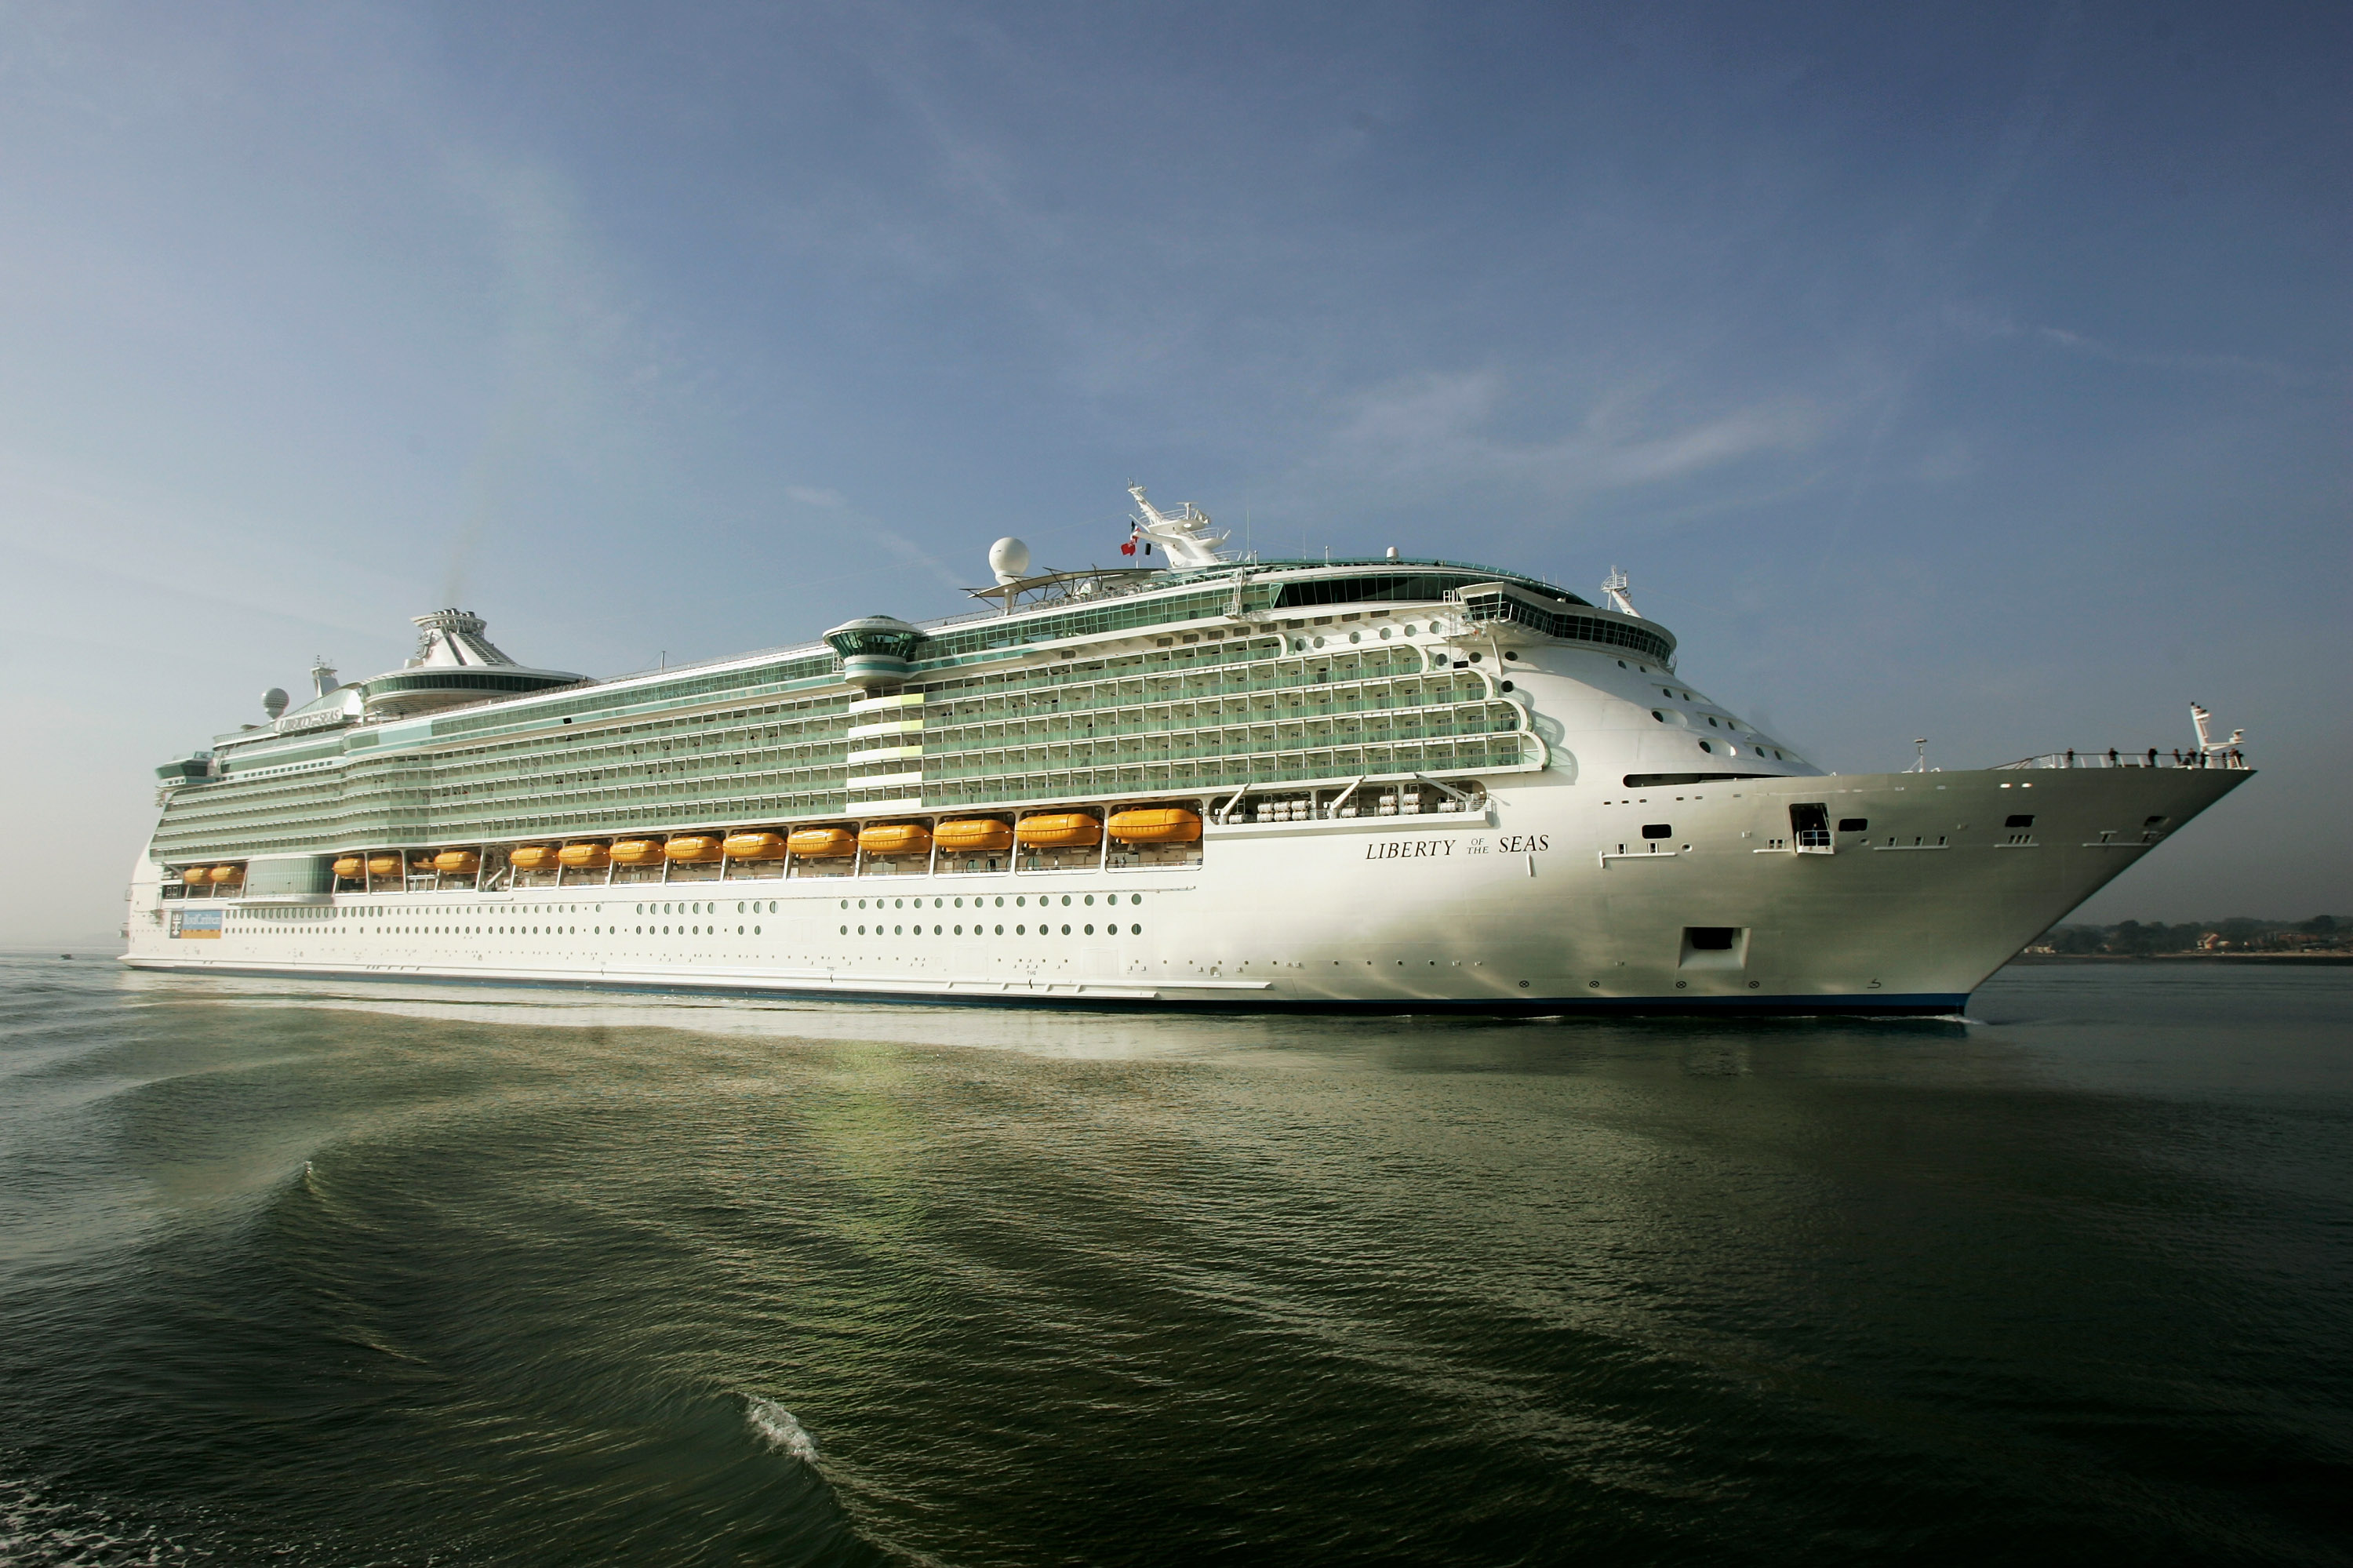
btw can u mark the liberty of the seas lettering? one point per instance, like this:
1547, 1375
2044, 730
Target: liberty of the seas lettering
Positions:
1441, 849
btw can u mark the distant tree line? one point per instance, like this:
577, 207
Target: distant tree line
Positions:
2321, 934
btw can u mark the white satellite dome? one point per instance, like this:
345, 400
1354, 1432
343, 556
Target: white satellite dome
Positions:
273, 701
1009, 559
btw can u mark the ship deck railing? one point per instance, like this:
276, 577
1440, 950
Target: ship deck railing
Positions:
2231, 759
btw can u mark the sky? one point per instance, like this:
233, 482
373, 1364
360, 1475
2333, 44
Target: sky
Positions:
1976, 371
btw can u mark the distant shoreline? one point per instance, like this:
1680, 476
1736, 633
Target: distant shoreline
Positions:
2274, 959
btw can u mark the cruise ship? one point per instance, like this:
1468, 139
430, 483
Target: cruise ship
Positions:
1195, 781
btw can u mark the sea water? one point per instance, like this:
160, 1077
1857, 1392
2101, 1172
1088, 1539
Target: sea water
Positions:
377, 1274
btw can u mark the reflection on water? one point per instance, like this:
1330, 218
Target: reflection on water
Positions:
354, 1273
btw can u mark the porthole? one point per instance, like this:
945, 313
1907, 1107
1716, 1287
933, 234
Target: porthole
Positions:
845, 904
1355, 637
1409, 628
1703, 746
739, 907
1511, 652
1384, 632
897, 930
1066, 930
1319, 642
1066, 900
861, 904
1091, 931
898, 904
959, 930
1622, 664
1019, 899
1091, 898
1000, 901
1711, 723
862, 930
1001, 931
1020, 930
1508, 686
1658, 715
1135, 930
845, 930
755, 930
959, 903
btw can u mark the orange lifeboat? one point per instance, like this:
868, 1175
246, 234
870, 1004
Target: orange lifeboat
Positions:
895, 837
1060, 830
350, 867
384, 865
532, 857
1156, 825
822, 843
754, 844
693, 848
638, 851
589, 856
227, 875
196, 875
973, 835
457, 862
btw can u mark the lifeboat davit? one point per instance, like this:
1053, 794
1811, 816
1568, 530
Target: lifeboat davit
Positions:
384, 865
638, 851
693, 848
822, 843
590, 856
227, 875
532, 857
196, 875
895, 838
457, 863
1156, 825
1058, 830
968, 835
350, 867
755, 845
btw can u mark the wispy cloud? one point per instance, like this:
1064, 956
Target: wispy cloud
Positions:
1438, 430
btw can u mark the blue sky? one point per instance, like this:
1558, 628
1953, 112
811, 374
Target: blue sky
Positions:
1978, 372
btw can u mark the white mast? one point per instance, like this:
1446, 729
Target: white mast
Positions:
1615, 586
1185, 535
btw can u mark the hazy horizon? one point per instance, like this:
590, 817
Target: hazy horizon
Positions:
1971, 373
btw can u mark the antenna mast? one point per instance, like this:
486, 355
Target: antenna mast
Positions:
1615, 586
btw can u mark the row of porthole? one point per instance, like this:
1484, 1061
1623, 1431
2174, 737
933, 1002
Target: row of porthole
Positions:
1710, 748
1019, 901
1301, 645
741, 907
1022, 930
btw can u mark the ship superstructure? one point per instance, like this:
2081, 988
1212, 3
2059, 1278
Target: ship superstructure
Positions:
1388, 783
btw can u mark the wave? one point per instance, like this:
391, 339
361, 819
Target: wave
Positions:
777, 1428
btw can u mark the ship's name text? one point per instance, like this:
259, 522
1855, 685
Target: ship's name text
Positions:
1441, 849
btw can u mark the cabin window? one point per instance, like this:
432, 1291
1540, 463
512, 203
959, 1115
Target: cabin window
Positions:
2020, 821
1658, 830
1855, 824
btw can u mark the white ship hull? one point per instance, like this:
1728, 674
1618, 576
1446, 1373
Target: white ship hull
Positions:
1549, 900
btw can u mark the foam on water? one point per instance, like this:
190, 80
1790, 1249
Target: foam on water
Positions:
777, 1428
